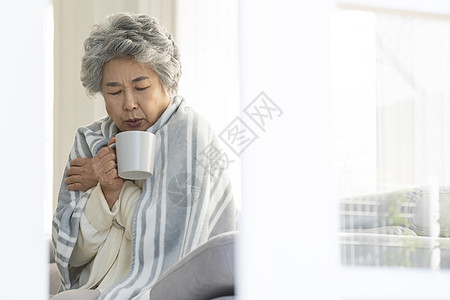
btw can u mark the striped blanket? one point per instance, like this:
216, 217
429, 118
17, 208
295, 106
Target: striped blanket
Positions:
187, 201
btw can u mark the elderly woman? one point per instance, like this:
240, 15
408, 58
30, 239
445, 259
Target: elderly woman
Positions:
114, 237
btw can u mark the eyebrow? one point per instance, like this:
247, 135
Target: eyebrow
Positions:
140, 78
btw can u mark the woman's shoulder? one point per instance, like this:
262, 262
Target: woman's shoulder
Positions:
92, 137
187, 114
102, 127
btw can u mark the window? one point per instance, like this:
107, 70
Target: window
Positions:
391, 95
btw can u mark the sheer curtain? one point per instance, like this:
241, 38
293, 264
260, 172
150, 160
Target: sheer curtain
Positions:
391, 115
392, 102
413, 100
207, 35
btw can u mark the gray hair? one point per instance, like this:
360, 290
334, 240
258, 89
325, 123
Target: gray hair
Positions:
134, 35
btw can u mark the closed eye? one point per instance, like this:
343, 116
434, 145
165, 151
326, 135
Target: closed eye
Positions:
115, 93
142, 88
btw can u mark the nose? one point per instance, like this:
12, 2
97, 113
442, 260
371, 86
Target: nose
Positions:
130, 102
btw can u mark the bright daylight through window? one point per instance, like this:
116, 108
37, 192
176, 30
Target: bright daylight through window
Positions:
391, 85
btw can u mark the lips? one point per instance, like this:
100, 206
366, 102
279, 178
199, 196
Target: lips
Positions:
134, 122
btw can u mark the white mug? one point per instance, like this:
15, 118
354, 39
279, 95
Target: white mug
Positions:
135, 151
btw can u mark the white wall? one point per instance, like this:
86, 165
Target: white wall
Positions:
23, 272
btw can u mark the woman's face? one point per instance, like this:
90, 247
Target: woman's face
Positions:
134, 97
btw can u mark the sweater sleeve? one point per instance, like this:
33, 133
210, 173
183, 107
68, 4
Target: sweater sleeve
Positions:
97, 219
95, 223
128, 199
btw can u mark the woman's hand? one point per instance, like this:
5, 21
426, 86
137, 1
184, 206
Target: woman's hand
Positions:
85, 173
105, 170
80, 175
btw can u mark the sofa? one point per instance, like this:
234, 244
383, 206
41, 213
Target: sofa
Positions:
406, 228
204, 274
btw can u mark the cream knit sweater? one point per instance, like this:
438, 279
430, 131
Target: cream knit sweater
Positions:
104, 241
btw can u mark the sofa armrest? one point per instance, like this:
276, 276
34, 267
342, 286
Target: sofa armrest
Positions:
205, 273
51, 251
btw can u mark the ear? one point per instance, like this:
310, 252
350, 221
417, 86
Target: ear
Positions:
167, 91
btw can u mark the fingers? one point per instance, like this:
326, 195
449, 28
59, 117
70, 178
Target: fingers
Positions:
105, 169
85, 173
79, 162
109, 177
106, 154
106, 158
110, 166
75, 183
76, 187
80, 183
73, 179
111, 141
108, 172
74, 171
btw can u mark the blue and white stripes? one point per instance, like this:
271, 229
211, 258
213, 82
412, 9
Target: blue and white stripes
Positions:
164, 229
